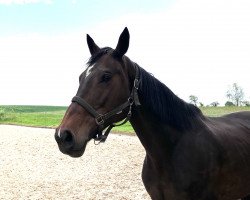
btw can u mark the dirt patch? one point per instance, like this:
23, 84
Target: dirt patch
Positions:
32, 167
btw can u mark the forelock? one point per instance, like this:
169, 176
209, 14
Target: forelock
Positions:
95, 57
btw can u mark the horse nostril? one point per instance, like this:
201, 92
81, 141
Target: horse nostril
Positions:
67, 136
67, 139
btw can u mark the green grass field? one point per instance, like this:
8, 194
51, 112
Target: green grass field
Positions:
50, 116
219, 111
37, 116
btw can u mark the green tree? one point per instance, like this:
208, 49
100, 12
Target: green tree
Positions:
214, 104
246, 103
235, 94
229, 103
193, 99
201, 104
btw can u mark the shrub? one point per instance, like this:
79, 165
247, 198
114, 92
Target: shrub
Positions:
214, 104
229, 103
246, 103
2, 114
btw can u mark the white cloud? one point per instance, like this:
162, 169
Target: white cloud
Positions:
40, 69
195, 47
73, 1
21, 2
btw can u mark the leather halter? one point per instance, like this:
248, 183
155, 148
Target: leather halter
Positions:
101, 118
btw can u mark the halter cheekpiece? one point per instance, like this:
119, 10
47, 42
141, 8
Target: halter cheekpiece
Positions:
100, 119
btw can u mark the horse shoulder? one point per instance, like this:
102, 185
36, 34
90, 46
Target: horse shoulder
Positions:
196, 161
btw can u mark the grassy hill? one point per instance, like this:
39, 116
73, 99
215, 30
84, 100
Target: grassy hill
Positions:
51, 116
38, 116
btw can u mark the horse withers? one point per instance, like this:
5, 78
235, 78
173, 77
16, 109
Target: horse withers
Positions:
188, 156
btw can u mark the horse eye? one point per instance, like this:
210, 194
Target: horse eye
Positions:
106, 77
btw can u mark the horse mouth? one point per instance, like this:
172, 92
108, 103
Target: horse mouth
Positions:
75, 153
75, 150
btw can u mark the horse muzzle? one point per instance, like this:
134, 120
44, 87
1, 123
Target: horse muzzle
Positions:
67, 144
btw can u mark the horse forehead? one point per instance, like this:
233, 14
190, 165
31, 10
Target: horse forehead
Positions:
89, 70
108, 61
105, 63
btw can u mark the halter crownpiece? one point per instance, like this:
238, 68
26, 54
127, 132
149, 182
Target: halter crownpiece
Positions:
101, 118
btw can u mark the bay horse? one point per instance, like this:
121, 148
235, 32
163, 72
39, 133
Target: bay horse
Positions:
188, 156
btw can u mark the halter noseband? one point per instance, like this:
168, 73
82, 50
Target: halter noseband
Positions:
101, 118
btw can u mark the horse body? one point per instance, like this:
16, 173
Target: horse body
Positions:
202, 163
188, 156
233, 133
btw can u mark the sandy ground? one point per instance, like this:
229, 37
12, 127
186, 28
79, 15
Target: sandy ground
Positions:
32, 167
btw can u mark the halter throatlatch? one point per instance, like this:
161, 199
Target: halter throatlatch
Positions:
101, 118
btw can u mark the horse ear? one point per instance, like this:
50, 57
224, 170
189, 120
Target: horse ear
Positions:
123, 43
93, 48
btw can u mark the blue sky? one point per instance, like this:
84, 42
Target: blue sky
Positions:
67, 15
197, 47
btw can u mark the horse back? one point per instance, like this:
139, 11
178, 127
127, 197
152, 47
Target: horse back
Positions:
232, 132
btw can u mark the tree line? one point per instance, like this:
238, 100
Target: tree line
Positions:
234, 94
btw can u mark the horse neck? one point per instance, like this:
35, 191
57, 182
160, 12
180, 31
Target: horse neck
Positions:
162, 118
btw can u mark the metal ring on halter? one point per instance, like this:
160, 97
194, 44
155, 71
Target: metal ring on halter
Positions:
136, 84
99, 120
130, 101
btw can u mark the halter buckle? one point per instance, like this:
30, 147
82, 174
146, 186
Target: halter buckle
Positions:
136, 84
99, 120
130, 101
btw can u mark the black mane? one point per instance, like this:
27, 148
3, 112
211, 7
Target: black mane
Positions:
164, 104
